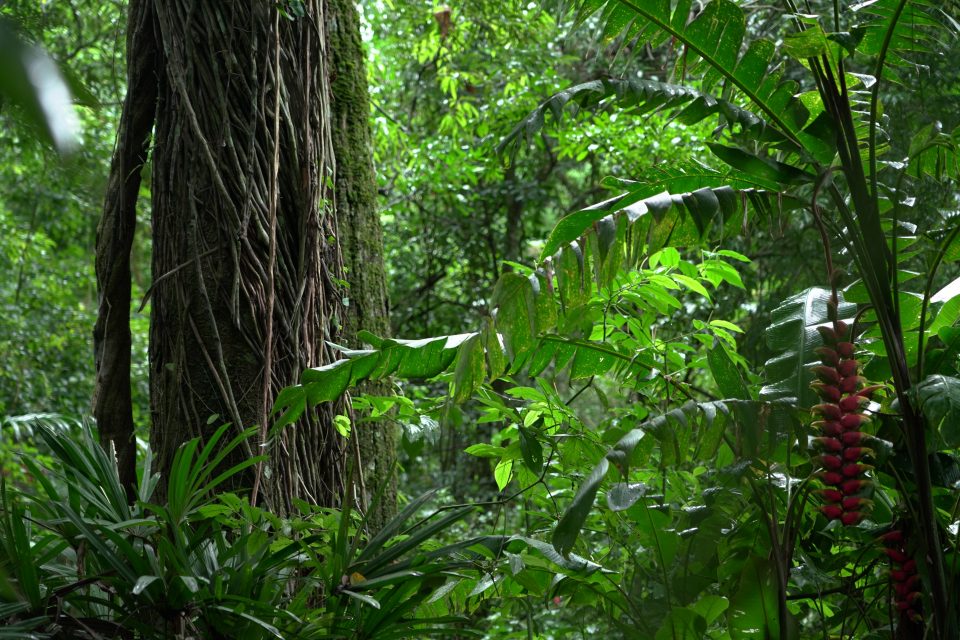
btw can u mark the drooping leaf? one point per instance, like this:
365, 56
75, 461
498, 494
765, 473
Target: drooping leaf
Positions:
753, 421
726, 374
568, 529
713, 48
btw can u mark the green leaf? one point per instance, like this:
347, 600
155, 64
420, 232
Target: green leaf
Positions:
515, 302
711, 607
485, 451
700, 208
793, 335
682, 624
570, 563
726, 374
753, 608
531, 449
568, 529
624, 495
470, 370
31, 80
764, 168
503, 473
939, 398
692, 284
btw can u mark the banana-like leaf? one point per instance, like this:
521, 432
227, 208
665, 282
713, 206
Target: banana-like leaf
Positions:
793, 335
635, 223
473, 358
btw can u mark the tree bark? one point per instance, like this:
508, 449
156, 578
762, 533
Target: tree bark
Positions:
112, 404
248, 276
361, 238
245, 254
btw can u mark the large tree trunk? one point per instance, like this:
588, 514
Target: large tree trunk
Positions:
248, 273
246, 260
247, 263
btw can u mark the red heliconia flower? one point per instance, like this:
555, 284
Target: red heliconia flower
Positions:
828, 411
854, 503
827, 374
850, 518
829, 335
832, 478
899, 575
855, 453
896, 555
830, 428
843, 395
852, 438
831, 495
832, 511
827, 392
831, 463
847, 368
829, 444
851, 487
828, 356
853, 421
852, 403
855, 469
845, 349
892, 537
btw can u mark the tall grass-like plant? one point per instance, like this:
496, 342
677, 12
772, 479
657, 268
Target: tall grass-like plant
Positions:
79, 561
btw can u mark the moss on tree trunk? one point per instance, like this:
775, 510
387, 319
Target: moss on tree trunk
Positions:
360, 234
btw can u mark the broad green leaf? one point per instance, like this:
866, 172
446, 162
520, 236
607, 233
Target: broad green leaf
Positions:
568, 529
682, 623
503, 473
514, 299
483, 450
726, 374
470, 369
570, 563
793, 335
624, 495
31, 80
753, 608
663, 211
764, 168
710, 607
939, 398
531, 449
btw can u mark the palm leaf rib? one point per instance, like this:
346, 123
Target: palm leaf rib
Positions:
698, 36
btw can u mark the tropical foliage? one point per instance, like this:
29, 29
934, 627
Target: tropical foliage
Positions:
656, 471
